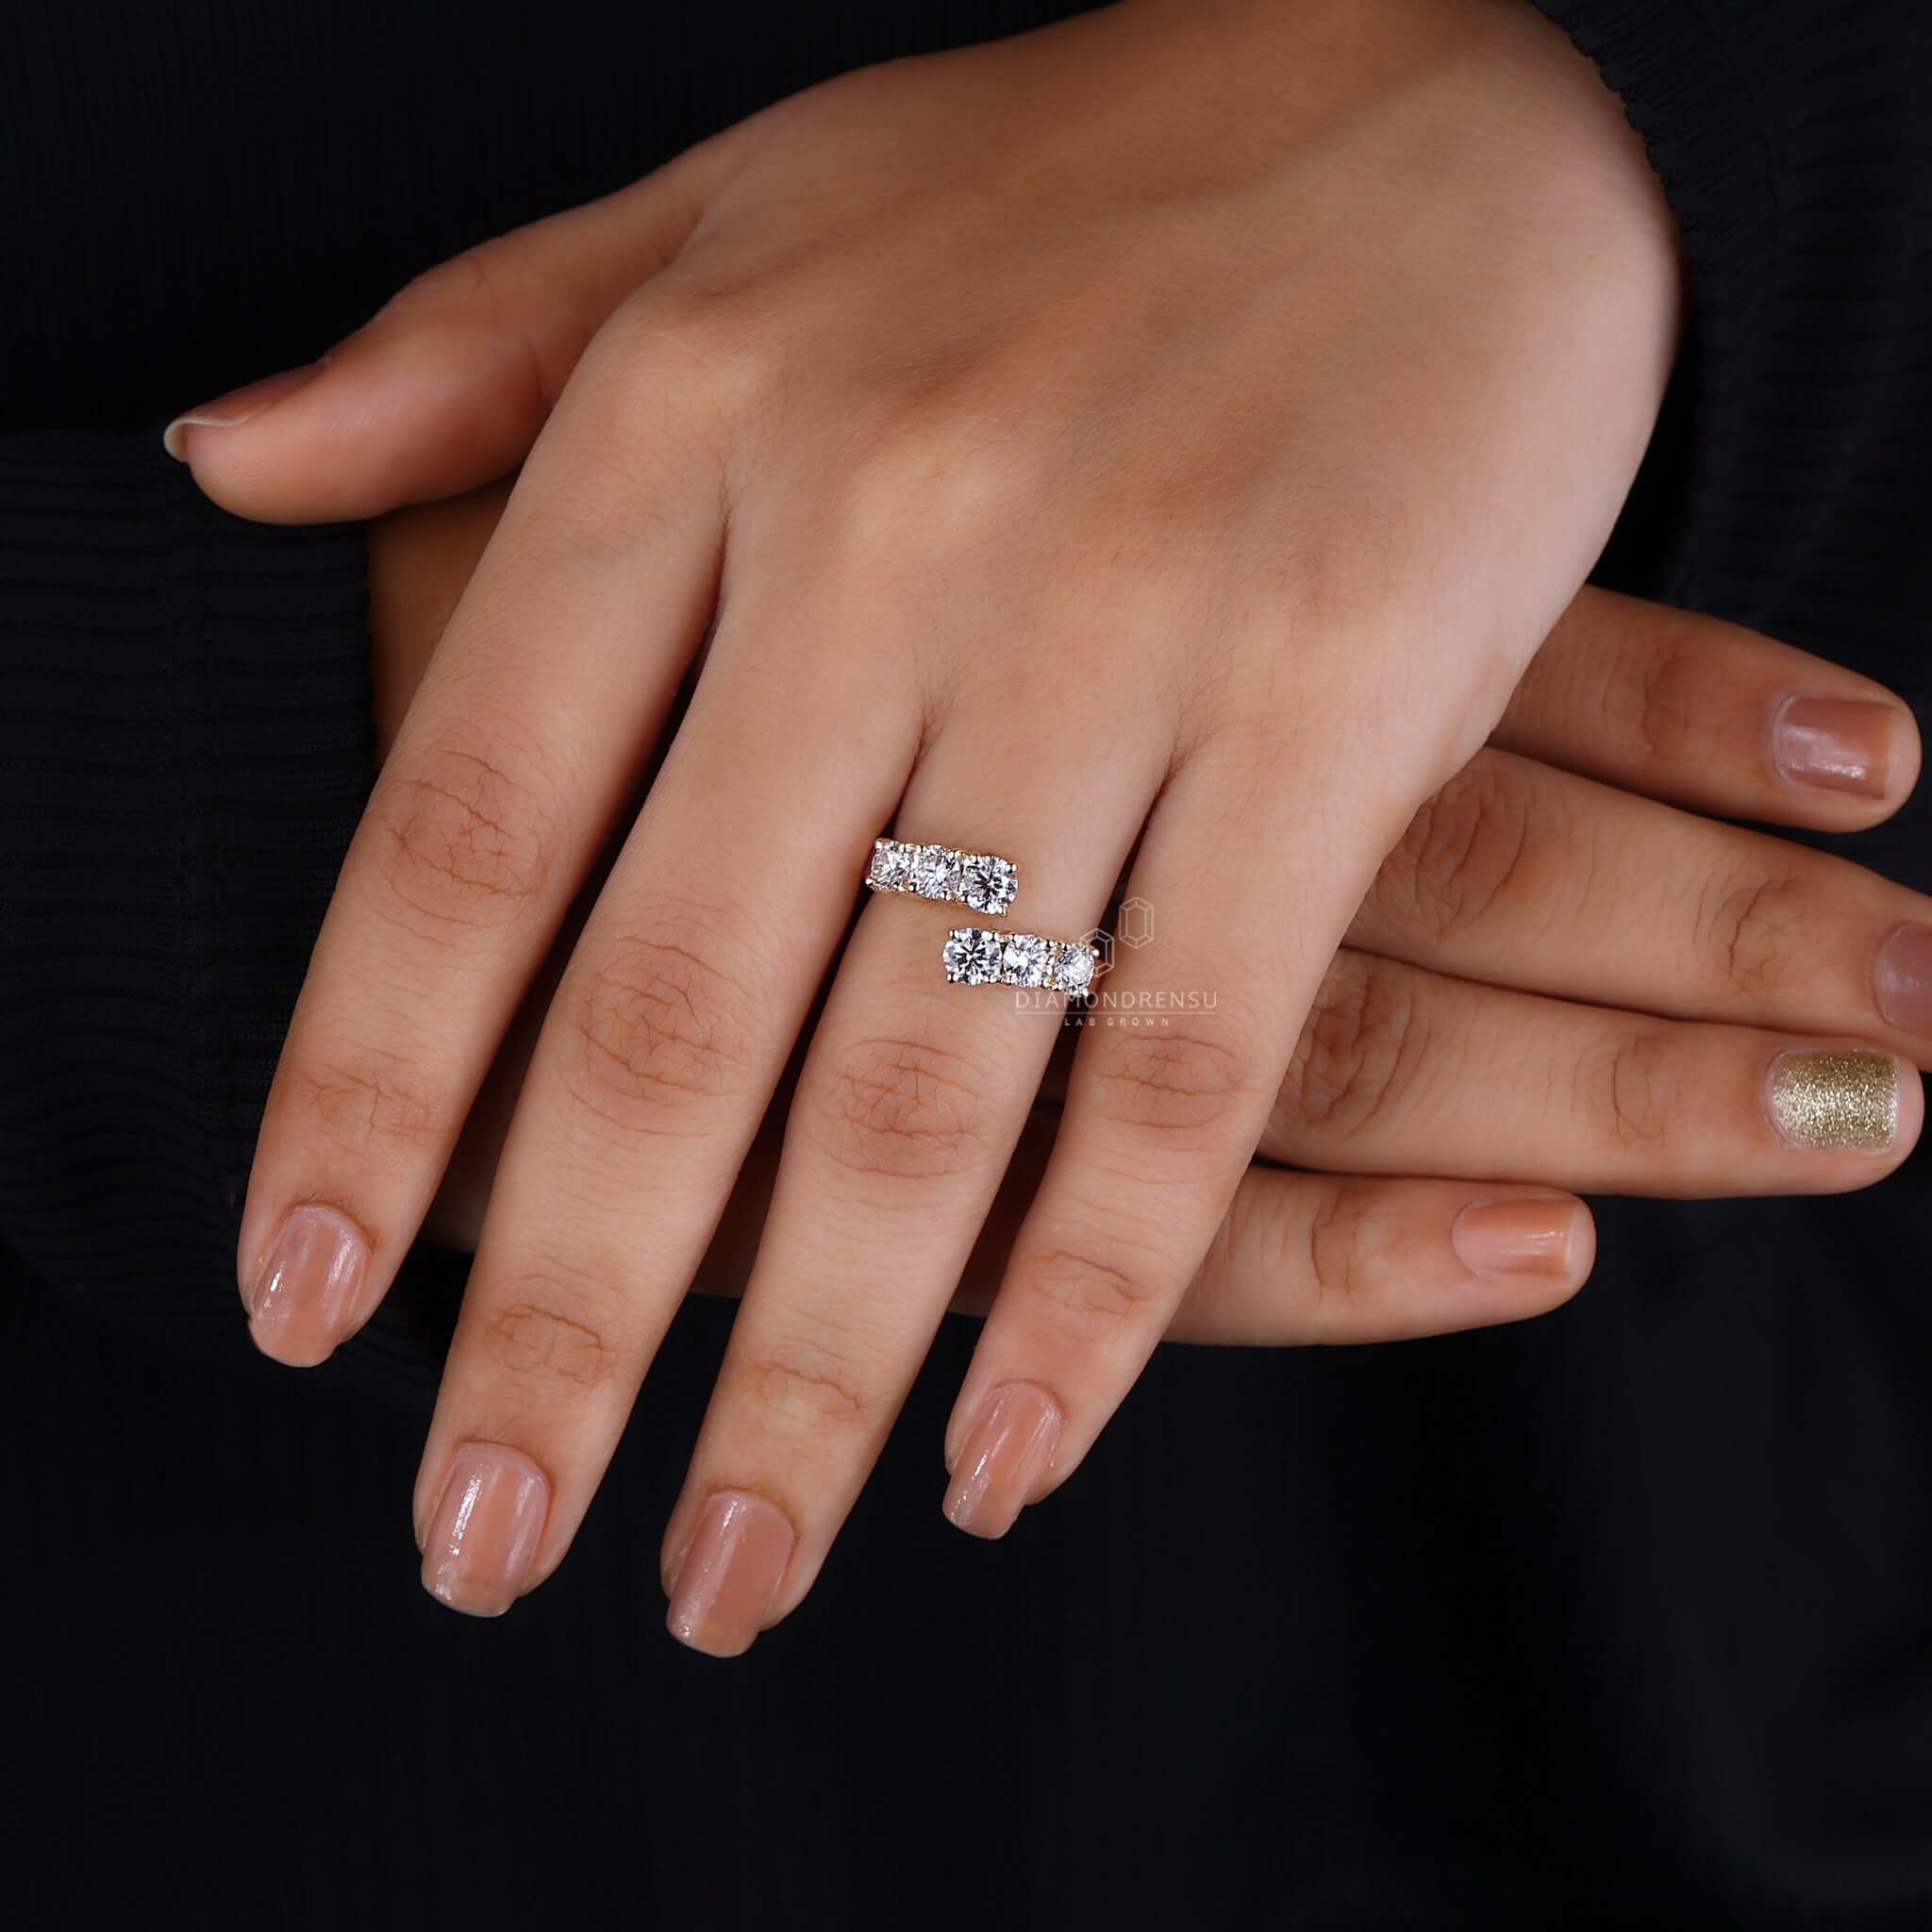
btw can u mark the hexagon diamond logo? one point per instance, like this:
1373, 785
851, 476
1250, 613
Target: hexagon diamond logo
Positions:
1102, 941
1136, 921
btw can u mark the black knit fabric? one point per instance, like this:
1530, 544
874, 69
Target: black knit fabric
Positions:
1620, 1617
188, 746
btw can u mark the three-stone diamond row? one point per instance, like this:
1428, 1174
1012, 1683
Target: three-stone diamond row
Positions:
974, 955
982, 882
976, 880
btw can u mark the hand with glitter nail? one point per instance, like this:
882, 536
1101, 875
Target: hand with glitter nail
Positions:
1677, 720
1052, 469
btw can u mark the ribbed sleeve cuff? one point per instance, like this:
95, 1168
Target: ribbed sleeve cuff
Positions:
188, 742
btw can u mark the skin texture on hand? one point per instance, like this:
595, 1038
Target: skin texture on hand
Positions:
1166, 436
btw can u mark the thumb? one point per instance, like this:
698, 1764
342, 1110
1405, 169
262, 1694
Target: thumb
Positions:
445, 388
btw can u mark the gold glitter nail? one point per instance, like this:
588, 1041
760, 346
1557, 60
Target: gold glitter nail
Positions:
1836, 1099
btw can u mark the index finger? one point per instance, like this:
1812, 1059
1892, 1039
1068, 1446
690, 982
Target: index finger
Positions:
1698, 712
523, 742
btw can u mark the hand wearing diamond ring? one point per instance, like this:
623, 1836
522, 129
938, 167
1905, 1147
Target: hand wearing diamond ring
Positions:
1109, 445
1466, 1028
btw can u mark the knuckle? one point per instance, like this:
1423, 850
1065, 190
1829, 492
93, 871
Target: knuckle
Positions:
364, 1101
544, 1331
906, 1109
936, 475
1669, 697
1334, 574
1360, 1048
1756, 932
1624, 1093
1093, 1290
661, 1024
728, 325
461, 840
806, 1386
1338, 1257
1178, 1083
1464, 850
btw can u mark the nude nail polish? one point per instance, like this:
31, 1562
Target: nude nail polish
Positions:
730, 1574
1008, 1450
311, 1291
1835, 744
1836, 1100
485, 1530
238, 405
1519, 1237
1902, 979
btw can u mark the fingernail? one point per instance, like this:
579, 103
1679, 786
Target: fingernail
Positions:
1836, 1100
1835, 744
1009, 1448
238, 405
1515, 1237
730, 1573
1902, 978
485, 1530
308, 1294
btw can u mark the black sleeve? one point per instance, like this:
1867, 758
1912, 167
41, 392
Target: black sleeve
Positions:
186, 743
1691, 84
1793, 140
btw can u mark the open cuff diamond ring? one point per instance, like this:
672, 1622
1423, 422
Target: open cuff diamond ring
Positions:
977, 880
974, 955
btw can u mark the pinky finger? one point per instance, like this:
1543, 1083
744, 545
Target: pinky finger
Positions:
1305, 1257
1315, 1258
1318, 1257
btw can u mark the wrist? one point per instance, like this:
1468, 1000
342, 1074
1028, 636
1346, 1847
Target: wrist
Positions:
1489, 93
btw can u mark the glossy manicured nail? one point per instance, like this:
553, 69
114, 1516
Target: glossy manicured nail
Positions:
1516, 1236
1835, 744
238, 405
1902, 979
1008, 1449
730, 1573
308, 1294
1836, 1100
485, 1530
